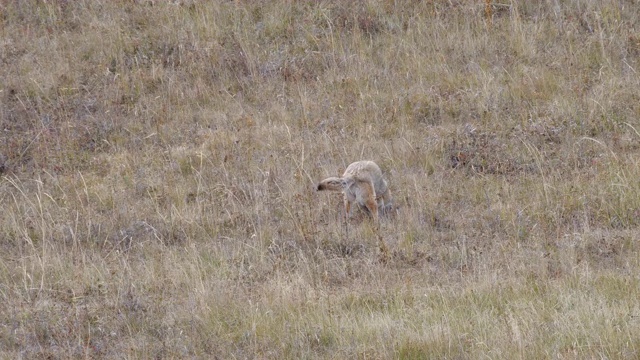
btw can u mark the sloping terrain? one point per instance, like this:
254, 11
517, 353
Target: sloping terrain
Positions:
158, 161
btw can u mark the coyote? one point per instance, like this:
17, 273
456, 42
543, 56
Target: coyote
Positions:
362, 183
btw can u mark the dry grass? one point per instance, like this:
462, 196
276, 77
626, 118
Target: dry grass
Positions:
158, 159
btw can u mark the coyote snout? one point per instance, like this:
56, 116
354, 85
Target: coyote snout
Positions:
363, 183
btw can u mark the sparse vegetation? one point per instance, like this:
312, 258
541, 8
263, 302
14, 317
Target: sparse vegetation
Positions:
157, 162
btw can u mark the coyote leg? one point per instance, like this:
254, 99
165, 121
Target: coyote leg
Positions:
370, 200
372, 205
347, 208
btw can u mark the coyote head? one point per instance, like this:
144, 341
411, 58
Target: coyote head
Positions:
332, 183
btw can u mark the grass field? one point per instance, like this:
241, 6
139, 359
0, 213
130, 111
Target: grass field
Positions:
158, 162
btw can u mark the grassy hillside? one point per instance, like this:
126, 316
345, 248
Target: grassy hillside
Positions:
158, 159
